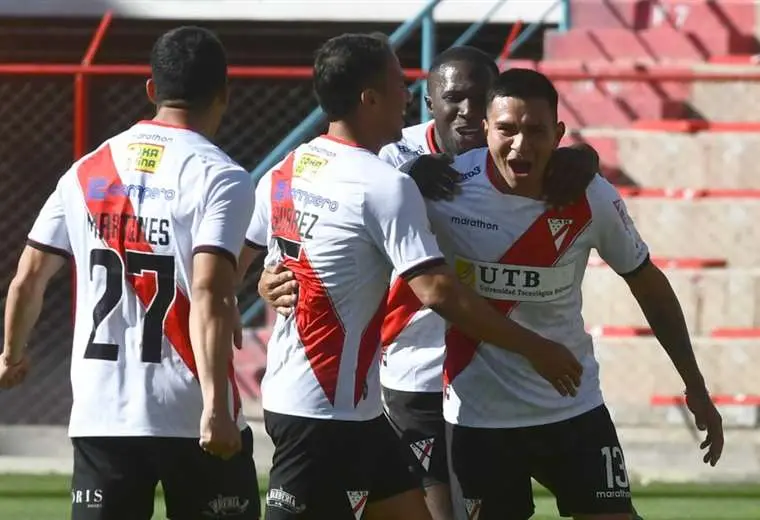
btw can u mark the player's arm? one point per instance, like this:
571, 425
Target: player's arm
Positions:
621, 246
397, 220
22, 309
47, 250
213, 310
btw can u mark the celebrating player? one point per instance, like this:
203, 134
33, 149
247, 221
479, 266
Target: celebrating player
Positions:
412, 337
153, 220
342, 220
529, 261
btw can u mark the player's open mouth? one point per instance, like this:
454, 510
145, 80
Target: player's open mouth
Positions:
520, 166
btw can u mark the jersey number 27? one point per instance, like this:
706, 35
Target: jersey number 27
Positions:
137, 264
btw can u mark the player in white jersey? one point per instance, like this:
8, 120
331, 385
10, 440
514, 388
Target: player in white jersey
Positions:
504, 424
153, 220
413, 337
342, 220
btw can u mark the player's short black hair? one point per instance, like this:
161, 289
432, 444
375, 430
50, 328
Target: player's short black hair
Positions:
189, 67
464, 54
524, 84
346, 65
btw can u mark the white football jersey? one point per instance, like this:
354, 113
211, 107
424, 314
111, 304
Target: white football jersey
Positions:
416, 140
413, 337
529, 262
341, 219
131, 214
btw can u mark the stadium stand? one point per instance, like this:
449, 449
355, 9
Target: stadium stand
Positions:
667, 92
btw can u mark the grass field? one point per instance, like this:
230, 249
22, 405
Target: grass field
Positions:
46, 497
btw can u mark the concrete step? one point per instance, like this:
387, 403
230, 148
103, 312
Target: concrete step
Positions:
711, 299
658, 159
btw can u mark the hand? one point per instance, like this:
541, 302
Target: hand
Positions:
279, 289
556, 364
569, 172
707, 417
12, 373
220, 436
435, 177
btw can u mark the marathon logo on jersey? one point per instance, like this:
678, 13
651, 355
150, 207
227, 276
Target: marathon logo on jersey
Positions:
144, 157
226, 506
99, 188
474, 223
281, 499
308, 165
358, 501
497, 281
90, 498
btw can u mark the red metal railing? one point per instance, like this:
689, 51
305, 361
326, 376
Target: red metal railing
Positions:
577, 71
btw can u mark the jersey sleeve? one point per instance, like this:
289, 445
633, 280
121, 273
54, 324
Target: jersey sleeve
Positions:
227, 211
396, 220
258, 229
617, 240
49, 232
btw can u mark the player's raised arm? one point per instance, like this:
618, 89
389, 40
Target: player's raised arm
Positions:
213, 307
621, 246
397, 220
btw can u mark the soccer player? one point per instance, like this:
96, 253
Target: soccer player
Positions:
342, 219
413, 338
529, 261
153, 219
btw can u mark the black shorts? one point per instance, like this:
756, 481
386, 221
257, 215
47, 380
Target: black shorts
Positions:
323, 468
417, 418
115, 478
579, 460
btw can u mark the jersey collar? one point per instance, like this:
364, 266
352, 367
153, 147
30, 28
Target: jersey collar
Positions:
430, 138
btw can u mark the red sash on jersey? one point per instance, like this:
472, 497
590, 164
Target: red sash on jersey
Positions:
537, 247
100, 167
319, 327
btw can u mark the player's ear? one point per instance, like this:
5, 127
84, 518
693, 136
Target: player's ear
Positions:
368, 97
560, 133
150, 90
429, 104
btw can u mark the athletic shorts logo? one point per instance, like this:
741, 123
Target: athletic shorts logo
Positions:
281, 499
358, 501
423, 450
472, 506
223, 506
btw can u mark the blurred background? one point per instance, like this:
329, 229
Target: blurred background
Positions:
668, 92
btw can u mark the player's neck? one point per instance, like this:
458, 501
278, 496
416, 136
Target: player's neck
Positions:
351, 133
530, 187
183, 118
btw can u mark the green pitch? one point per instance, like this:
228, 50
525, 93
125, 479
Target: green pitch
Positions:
46, 497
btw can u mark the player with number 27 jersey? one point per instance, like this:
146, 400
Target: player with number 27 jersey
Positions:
126, 213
